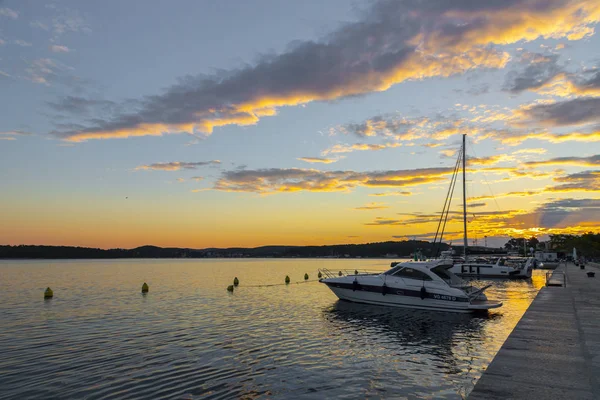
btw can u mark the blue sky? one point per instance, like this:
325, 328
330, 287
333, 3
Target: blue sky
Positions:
226, 123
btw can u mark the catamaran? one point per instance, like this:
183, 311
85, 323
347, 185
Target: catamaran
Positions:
424, 285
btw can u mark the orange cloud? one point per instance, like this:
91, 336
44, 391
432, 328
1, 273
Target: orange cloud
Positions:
397, 193
372, 206
348, 148
395, 42
491, 160
537, 150
318, 160
566, 85
591, 161
176, 165
273, 180
12, 135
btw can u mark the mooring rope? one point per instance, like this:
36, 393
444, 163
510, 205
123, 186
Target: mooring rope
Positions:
278, 284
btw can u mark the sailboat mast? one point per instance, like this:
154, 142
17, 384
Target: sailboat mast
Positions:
464, 163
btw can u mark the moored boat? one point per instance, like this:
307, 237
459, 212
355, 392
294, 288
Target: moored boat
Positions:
425, 285
501, 267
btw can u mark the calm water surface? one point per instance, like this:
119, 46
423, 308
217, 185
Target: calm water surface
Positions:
191, 339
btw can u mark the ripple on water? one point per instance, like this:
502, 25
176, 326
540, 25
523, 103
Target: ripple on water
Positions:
189, 338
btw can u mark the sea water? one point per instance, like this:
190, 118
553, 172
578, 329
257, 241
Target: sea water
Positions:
189, 338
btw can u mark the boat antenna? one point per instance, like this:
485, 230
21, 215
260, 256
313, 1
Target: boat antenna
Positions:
464, 163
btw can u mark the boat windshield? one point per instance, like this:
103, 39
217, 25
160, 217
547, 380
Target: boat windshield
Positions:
393, 270
448, 277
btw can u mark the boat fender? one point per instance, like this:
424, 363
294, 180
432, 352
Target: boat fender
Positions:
384, 289
423, 293
355, 285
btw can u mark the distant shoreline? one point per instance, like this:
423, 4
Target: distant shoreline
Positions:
383, 250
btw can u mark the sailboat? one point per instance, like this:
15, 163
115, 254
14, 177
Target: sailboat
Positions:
498, 267
428, 285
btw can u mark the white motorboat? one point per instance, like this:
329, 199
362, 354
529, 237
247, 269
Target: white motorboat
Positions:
425, 285
501, 267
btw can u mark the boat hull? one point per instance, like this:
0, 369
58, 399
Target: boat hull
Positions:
409, 300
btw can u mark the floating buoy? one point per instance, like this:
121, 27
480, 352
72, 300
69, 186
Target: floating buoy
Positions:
305, 277
48, 293
145, 288
355, 272
287, 279
320, 275
340, 274
236, 281
230, 288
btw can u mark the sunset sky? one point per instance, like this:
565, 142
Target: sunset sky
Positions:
221, 123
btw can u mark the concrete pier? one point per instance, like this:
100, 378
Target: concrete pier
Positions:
554, 351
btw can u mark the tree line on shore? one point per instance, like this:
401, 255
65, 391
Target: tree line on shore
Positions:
382, 249
587, 244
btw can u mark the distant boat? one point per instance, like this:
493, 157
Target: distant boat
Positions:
501, 267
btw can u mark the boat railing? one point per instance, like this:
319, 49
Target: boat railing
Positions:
329, 273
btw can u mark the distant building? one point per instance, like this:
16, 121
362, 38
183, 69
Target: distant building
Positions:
545, 256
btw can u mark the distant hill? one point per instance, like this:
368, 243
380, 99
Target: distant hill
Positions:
389, 249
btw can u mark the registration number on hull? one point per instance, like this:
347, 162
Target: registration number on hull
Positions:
443, 297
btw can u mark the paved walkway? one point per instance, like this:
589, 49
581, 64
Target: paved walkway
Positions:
554, 351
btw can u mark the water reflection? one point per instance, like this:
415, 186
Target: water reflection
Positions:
189, 338
455, 344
